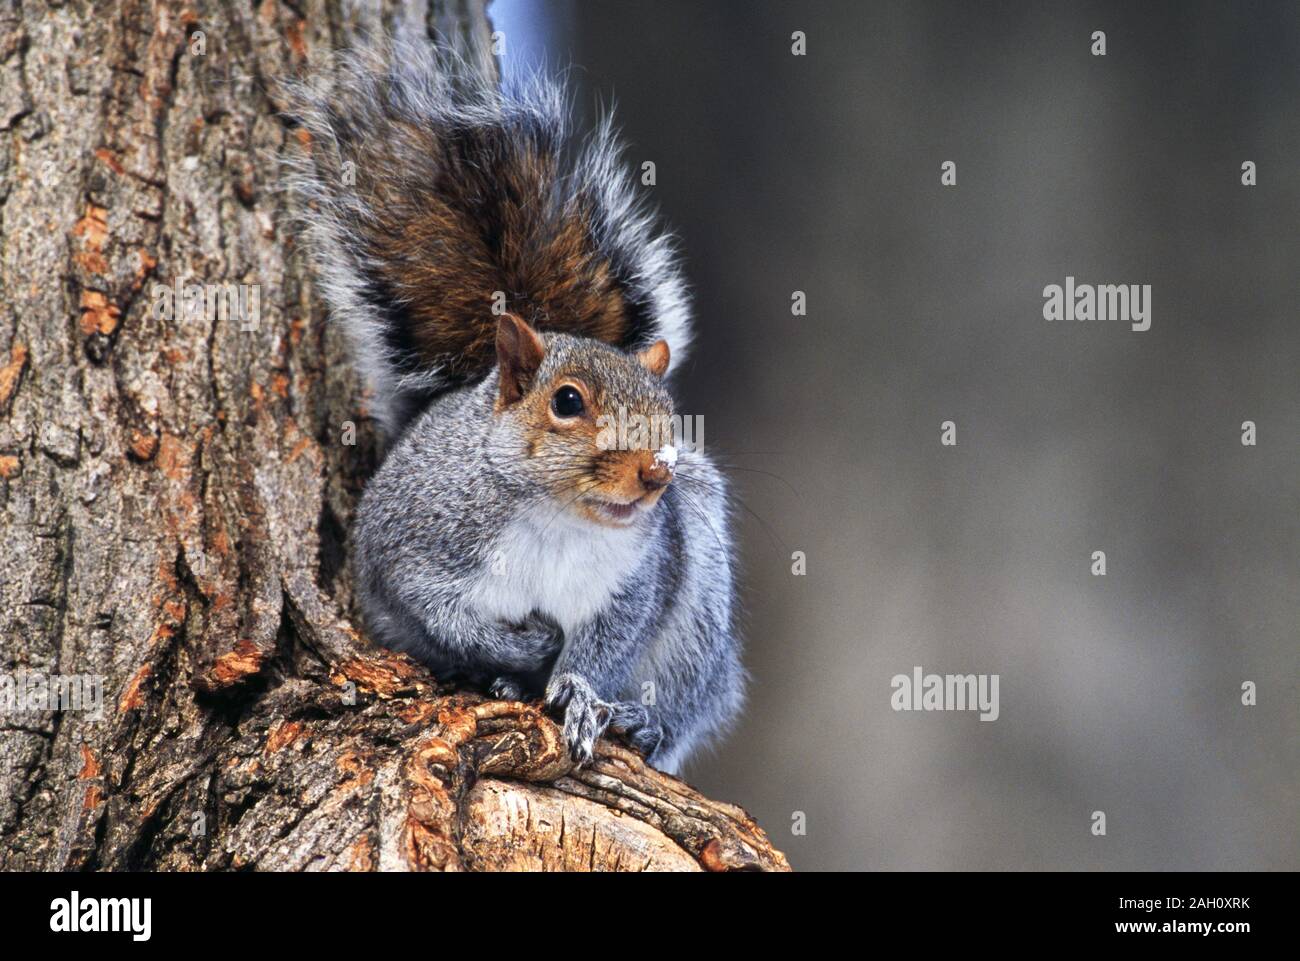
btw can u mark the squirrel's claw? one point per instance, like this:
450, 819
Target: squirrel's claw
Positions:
582, 726
561, 689
585, 715
507, 689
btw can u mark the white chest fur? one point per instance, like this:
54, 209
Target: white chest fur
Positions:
563, 567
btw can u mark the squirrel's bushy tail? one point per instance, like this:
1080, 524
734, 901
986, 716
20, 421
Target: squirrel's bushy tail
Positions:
429, 195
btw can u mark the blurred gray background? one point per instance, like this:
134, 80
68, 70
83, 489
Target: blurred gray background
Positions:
822, 174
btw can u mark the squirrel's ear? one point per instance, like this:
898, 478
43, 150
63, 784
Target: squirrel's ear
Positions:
655, 358
519, 353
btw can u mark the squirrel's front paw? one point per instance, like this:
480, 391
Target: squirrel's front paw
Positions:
507, 689
636, 724
585, 715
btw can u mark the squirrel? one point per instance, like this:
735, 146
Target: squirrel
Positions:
503, 540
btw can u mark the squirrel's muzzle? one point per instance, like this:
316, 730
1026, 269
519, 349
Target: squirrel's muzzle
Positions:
655, 476
656, 471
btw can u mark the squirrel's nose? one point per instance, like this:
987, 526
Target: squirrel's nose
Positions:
655, 475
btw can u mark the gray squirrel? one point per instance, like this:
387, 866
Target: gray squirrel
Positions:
504, 540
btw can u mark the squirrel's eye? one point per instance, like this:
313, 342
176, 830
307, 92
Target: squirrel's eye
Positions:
567, 402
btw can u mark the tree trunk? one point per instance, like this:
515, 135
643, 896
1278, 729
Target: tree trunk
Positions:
175, 492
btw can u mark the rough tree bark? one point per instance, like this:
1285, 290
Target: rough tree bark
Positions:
174, 497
